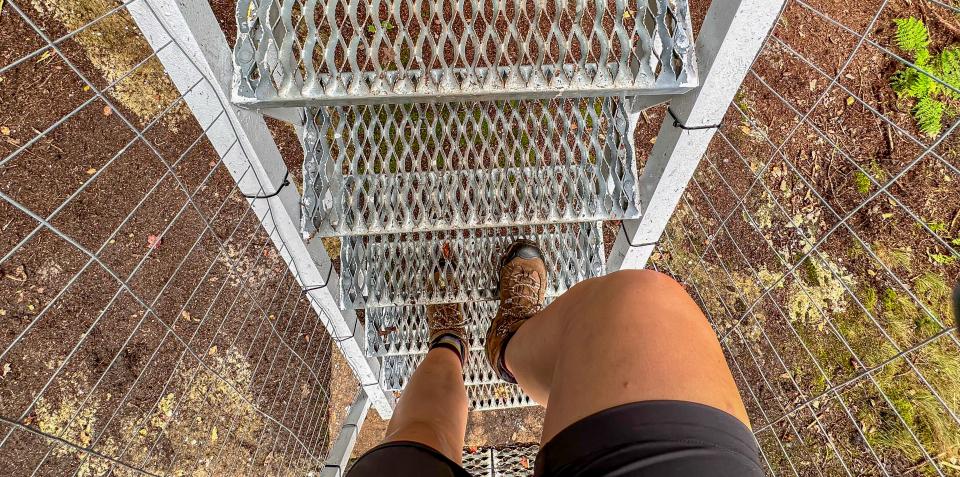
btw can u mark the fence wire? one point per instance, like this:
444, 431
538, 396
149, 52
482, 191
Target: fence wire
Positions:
821, 233
148, 323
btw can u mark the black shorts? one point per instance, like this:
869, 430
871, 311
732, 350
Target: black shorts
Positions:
662, 438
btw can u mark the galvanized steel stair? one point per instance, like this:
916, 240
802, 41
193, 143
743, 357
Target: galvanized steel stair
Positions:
436, 133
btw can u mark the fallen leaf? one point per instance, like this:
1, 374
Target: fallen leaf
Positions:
154, 241
306, 338
3, 312
213, 435
86, 87
627, 14
525, 462
4, 130
107, 111
91, 171
653, 140
213, 350
44, 56
849, 100
6, 369
386, 331
746, 129
473, 449
186, 315
31, 307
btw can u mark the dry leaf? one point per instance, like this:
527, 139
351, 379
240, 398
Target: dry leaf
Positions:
107, 111
86, 87
186, 315
4, 130
849, 100
153, 241
746, 129
213, 435
213, 350
6, 369
91, 171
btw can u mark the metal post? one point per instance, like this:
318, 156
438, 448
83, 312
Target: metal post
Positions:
340, 452
730, 39
200, 66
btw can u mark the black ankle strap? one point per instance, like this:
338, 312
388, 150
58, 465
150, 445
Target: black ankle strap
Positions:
451, 342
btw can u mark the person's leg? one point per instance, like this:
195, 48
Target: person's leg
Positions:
629, 336
433, 407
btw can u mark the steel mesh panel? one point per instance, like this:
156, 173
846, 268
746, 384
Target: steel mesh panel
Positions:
477, 462
404, 330
396, 330
457, 266
483, 397
506, 461
403, 168
397, 369
346, 51
517, 460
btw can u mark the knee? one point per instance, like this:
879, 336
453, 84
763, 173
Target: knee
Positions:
639, 281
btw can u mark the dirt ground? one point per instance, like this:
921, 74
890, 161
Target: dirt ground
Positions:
185, 346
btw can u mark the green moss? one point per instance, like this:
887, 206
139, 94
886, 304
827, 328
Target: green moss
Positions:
862, 182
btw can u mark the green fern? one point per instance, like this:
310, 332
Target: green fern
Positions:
929, 110
929, 115
912, 35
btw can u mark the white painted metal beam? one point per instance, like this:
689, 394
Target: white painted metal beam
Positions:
339, 456
728, 42
201, 68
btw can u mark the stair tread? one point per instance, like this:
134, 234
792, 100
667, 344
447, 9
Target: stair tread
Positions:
509, 50
401, 269
405, 168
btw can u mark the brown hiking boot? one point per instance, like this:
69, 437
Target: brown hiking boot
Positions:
447, 325
523, 283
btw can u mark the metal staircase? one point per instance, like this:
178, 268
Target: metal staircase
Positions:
435, 133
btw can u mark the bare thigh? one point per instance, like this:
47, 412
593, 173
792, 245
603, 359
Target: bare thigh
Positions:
630, 336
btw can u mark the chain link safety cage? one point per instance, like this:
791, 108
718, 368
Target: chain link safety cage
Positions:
148, 323
401, 168
298, 53
820, 234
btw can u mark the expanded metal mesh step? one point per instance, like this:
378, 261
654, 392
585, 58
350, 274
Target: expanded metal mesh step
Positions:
398, 330
397, 370
420, 167
458, 266
299, 52
515, 460
485, 397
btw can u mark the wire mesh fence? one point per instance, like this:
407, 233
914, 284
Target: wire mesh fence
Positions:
821, 234
148, 322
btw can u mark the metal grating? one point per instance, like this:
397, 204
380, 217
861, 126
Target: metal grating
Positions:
398, 330
298, 53
507, 461
397, 369
418, 167
484, 397
457, 266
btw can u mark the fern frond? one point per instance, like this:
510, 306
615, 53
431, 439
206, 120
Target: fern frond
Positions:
910, 83
948, 70
929, 115
912, 35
